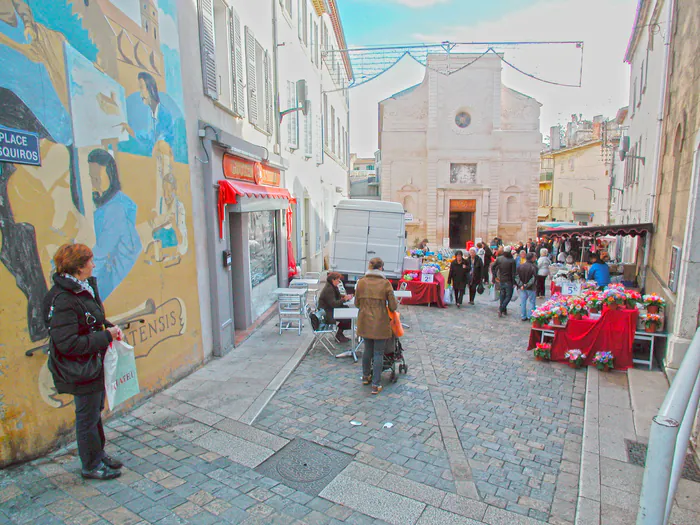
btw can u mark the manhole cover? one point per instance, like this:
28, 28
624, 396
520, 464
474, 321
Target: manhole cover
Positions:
637, 454
305, 466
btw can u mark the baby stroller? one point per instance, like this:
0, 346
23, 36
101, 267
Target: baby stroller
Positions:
392, 356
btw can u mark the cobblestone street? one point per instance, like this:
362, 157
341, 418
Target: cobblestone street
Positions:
475, 432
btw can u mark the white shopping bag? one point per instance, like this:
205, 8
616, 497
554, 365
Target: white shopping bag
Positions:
449, 296
516, 294
492, 293
121, 379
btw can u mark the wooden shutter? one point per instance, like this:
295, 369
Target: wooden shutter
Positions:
251, 75
318, 138
207, 46
269, 107
237, 67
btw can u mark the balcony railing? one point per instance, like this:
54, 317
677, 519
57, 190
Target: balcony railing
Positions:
546, 176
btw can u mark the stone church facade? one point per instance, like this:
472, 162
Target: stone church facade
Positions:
461, 153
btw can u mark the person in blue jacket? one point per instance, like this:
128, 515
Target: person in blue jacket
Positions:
599, 272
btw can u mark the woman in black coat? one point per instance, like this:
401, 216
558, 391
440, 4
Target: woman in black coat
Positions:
476, 271
330, 299
459, 277
79, 336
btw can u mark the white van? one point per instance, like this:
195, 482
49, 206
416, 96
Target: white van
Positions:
364, 229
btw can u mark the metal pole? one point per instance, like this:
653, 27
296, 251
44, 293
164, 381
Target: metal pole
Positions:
682, 446
657, 471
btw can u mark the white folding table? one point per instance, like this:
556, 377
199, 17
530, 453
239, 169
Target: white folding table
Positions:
348, 313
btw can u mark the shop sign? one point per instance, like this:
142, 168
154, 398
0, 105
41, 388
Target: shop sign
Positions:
237, 168
570, 288
427, 277
409, 217
19, 147
462, 205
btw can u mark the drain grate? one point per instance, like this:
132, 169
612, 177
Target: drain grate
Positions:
305, 466
637, 453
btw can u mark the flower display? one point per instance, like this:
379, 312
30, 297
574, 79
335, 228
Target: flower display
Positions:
633, 298
613, 297
594, 301
650, 319
616, 286
604, 360
542, 351
430, 268
411, 276
575, 357
540, 316
654, 300
578, 306
589, 285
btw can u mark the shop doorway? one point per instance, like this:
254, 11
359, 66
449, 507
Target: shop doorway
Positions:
461, 228
462, 213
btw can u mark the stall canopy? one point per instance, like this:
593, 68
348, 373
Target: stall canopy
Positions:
598, 231
229, 190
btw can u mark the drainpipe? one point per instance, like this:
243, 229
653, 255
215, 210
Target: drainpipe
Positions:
658, 161
275, 72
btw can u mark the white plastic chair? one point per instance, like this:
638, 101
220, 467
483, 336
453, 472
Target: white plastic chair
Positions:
291, 311
324, 334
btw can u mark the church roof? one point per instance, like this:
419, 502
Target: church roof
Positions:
403, 92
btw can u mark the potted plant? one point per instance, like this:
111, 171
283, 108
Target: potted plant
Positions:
594, 302
633, 298
540, 317
575, 358
653, 302
577, 307
559, 314
613, 298
604, 361
652, 322
543, 351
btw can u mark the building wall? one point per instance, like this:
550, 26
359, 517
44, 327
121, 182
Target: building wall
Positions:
76, 84
677, 216
582, 179
421, 141
317, 167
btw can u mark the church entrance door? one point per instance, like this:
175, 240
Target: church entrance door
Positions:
461, 228
462, 222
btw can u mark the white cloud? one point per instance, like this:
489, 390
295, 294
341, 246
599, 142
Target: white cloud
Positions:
604, 27
169, 34
419, 3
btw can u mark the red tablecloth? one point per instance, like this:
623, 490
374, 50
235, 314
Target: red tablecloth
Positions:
426, 293
613, 332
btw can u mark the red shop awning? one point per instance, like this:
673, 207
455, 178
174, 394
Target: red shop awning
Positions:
229, 190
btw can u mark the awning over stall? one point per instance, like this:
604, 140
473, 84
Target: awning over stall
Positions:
597, 231
230, 190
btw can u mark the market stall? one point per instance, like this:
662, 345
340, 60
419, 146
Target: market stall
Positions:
426, 277
594, 327
424, 292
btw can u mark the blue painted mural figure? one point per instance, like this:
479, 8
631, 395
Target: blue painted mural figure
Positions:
117, 245
153, 117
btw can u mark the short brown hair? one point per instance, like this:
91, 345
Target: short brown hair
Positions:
332, 276
70, 258
376, 263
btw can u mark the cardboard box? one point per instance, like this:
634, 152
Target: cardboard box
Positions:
412, 263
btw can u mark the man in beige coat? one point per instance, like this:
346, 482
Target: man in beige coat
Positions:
373, 295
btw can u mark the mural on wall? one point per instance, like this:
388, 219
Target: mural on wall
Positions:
99, 83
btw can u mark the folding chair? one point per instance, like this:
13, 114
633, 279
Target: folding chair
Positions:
291, 311
323, 333
304, 287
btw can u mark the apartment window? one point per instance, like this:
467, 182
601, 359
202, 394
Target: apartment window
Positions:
561, 168
308, 133
642, 82
673, 271
223, 62
287, 4
340, 141
634, 96
316, 50
571, 164
303, 22
333, 129
571, 199
561, 199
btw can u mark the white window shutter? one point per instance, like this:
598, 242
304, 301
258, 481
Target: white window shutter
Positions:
251, 76
308, 133
289, 115
208, 48
311, 39
293, 122
269, 106
300, 22
237, 67
318, 138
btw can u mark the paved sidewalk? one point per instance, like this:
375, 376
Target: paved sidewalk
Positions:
478, 433
619, 410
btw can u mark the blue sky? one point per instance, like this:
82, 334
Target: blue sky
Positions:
603, 25
396, 21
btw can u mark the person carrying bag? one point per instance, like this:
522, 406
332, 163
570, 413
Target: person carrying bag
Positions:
79, 336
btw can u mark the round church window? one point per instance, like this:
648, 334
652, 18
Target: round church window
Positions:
463, 119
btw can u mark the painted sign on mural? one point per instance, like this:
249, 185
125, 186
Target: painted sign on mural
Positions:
92, 115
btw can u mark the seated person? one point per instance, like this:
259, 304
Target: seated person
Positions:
330, 299
599, 272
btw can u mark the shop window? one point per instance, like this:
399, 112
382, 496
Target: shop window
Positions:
262, 246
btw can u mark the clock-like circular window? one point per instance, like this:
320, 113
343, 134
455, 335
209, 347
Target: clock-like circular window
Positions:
463, 119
